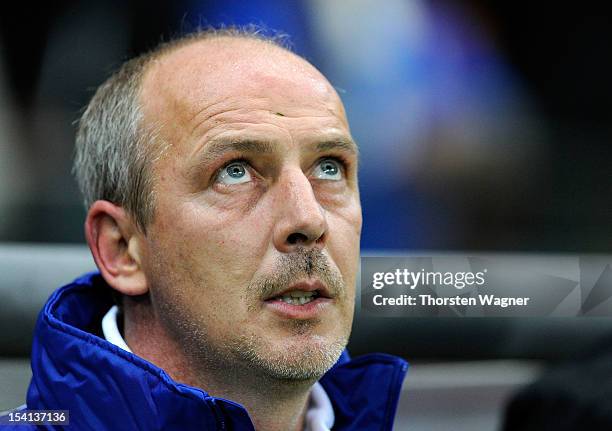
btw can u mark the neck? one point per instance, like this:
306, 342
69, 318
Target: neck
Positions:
272, 404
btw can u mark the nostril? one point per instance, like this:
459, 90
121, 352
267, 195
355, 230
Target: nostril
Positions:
296, 238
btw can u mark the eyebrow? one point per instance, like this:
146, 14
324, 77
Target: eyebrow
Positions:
215, 149
338, 144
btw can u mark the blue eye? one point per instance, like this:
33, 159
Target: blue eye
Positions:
234, 173
328, 169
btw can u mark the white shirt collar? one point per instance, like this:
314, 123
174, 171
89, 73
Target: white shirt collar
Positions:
110, 329
319, 416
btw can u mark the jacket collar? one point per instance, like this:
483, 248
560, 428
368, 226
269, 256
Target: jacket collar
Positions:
105, 387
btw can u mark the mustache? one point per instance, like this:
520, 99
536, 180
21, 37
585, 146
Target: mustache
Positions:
298, 265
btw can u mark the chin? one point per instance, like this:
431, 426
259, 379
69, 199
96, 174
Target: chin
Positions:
299, 358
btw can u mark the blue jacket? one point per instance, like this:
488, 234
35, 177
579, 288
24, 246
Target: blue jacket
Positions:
107, 388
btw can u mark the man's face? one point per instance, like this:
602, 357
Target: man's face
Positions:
252, 255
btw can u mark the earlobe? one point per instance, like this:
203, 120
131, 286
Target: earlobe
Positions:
114, 242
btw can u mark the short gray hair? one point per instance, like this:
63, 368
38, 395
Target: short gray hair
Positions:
115, 149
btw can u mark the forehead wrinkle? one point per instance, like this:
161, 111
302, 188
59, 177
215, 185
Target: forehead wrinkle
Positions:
207, 115
236, 104
236, 138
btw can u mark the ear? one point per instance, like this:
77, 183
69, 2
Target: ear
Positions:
115, 243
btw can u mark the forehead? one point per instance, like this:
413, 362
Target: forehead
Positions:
204, 78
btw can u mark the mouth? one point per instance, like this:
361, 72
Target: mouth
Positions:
301, 293
297, 297
301, 300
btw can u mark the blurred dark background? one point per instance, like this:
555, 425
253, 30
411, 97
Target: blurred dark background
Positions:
483, 125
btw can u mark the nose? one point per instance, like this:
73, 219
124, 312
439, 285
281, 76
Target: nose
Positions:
301, 221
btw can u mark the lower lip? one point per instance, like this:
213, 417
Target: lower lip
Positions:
309, 310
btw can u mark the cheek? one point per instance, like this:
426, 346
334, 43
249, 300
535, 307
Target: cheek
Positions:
199, 264
214, 251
